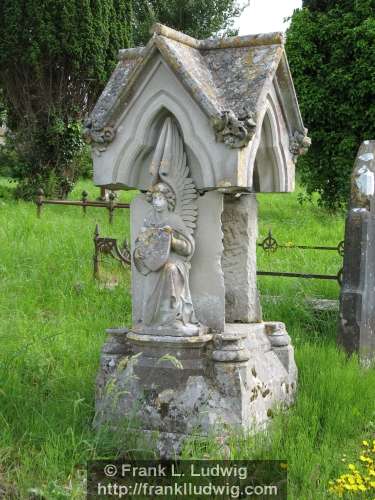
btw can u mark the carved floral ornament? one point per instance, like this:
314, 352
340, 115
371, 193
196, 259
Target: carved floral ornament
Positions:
299, 144
101, 136
235, 131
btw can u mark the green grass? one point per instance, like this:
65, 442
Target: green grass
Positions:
307, 225
52, 322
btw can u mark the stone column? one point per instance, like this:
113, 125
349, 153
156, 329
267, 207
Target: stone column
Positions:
356, 330
240, 228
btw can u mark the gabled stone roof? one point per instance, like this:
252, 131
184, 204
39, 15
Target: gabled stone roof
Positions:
225, 76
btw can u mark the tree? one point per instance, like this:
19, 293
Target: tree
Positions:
55, 58
330, 46
198, 18
324, 5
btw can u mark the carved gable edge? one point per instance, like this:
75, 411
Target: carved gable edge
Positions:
194, 64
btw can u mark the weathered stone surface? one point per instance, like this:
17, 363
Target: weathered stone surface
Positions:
240, 228
356, 331
229, 348
138, 209
206, 276
323, 305
188, 391
114, 349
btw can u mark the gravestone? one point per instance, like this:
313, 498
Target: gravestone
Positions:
197, 126
356, 331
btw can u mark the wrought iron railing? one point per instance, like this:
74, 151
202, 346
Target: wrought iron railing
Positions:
111, 204
110, 246
271, 245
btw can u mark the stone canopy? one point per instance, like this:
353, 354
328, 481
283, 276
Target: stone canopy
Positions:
234, 102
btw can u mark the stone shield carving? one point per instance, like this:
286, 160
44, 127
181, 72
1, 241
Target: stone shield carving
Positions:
152, 248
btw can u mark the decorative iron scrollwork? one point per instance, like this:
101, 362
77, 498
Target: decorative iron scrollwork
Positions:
269, 244
110, 247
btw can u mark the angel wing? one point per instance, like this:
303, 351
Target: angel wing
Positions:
174, 171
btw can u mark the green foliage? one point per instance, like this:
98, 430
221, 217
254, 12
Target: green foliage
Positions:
324, 5
55, 57
198, 18
330, 46
54, 161
61, 51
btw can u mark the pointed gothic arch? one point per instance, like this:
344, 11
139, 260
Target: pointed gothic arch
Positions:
270, 167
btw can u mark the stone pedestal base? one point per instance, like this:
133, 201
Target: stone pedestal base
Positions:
174, 386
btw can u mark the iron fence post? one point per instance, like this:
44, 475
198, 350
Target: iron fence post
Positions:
111, 206
39, 202
96, 253
84, 201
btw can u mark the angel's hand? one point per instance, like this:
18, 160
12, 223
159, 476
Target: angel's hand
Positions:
181, 246
168, 229
138, 254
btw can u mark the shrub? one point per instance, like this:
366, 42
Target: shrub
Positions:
55, 57
330, 46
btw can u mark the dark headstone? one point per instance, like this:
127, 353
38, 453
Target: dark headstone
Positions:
356, 331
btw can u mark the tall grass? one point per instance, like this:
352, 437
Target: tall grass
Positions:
52, 322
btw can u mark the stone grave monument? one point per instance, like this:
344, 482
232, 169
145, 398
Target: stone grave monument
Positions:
356, 331
198, 127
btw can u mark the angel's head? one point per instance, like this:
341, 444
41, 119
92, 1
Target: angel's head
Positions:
162, 197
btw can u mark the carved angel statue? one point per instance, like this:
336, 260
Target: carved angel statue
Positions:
165, 244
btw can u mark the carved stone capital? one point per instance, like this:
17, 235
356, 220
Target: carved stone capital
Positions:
235, 131
299, 144
229, 348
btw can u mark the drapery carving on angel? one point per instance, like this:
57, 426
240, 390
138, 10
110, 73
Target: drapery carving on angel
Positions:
165, 243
